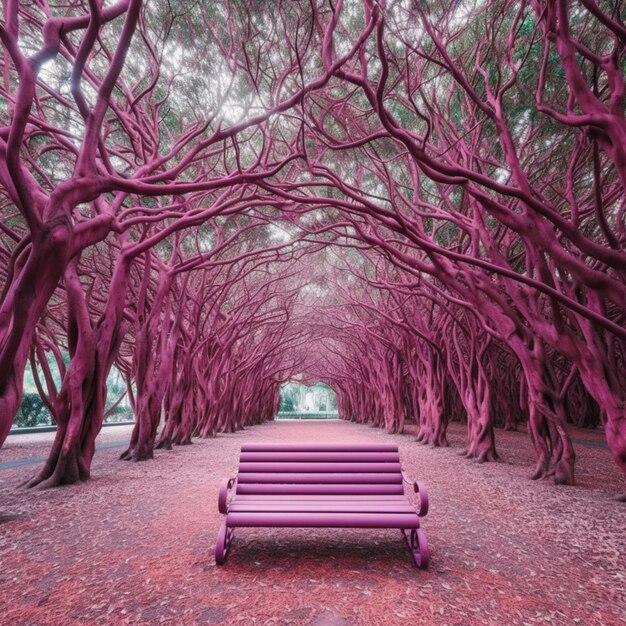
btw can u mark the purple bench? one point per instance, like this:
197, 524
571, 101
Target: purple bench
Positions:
322, 486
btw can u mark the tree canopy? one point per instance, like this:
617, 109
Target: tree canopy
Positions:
420, 205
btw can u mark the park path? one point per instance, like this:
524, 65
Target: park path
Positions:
134, 545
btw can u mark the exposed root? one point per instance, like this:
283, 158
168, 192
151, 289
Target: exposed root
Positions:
541, 472
488, 456
562, 477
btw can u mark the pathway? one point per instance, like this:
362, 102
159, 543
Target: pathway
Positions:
134, 545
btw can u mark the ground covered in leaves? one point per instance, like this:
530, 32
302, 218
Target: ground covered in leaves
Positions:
135, 544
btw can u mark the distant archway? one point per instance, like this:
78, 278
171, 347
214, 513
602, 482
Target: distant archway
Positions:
300, 401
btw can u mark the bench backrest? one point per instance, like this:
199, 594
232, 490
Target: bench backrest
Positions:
319, 469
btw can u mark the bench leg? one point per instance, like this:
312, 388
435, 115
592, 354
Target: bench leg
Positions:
418, 545
224, 539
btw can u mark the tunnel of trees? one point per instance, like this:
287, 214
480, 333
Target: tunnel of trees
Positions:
420, 204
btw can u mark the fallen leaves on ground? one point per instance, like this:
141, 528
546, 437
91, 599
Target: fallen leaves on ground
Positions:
135, 544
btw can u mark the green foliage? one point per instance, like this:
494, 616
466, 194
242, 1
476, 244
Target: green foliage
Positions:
286, 404
119, 414
298, 399
33, 412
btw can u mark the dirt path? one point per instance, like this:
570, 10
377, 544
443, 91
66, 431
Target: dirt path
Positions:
134, 545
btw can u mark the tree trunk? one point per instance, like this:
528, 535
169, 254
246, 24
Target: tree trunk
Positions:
24, 301
546, 419
80, 404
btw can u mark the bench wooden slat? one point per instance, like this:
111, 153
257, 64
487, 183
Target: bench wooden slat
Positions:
321, 457
278, 467
319, 447
351, 489
319, 478
320, 507
329, 498
323, 520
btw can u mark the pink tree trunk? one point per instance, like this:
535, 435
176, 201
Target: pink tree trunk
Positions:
79, 407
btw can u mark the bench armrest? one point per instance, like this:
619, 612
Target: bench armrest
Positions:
226, 484
420, 488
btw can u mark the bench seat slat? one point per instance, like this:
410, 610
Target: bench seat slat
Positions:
331, 499
319, 447
283, 467
322, 520
256, 488
321, 507
320, 457
319, 478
